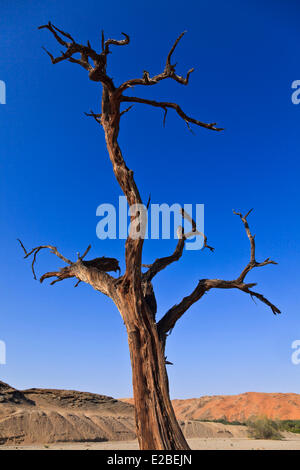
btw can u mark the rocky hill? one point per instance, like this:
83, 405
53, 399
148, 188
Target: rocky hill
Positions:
240, 407
237, 407
43, 416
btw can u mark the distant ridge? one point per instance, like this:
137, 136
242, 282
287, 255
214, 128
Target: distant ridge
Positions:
45, 416
238, 407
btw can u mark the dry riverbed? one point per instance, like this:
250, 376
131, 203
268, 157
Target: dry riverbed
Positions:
290, 443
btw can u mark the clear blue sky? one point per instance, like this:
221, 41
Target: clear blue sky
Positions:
55, 172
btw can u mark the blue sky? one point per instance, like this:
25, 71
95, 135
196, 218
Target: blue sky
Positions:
55, 172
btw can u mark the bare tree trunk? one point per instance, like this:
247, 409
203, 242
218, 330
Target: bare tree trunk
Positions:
157, 426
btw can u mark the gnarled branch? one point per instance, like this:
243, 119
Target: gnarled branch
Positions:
168, 321
166, 105
161, 263
194, 230
168, 72
97, 71
252, 263
72, 48
114, 42
93, 272
96, 116
37, 249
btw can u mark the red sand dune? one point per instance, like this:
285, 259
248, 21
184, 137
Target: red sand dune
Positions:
238, 407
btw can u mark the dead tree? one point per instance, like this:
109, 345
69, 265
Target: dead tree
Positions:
157, 427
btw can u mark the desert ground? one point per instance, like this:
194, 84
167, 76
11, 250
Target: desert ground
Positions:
49, 419
289, 443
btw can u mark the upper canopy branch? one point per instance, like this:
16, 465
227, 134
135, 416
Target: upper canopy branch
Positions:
168, 72
166, 105
72, 47
114, 42
167, 322
97, 71
252, 263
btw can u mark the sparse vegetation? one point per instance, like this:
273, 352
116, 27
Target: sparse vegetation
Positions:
290, 425
223, 421
264, 428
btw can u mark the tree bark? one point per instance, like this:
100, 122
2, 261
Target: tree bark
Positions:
156, 424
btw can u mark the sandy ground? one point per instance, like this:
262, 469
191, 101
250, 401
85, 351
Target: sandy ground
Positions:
43, 418
292, 443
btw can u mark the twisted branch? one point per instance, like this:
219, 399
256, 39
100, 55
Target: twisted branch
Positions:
252, 263
168, 72
161, 263
114, 42
85, 52
97, 117
93, 272
97, 71
166, 105
168, 321
195, 231
37, 249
